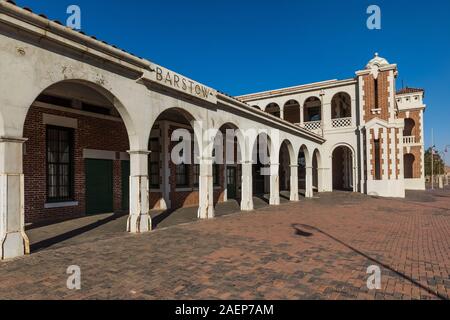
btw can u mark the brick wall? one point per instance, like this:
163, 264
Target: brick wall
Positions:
92, 133
414, 115
382, 114
190, 197
383, 96
155, 200
416, 151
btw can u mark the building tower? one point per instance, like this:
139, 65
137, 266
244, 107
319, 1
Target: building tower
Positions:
381, 130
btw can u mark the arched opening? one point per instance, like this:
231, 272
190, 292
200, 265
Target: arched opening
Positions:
341, 110
273, 109
342, 168
315, 170
292, 111
261, 167
408, 162
173, 167
286, 155
312, 110
75, 160
341, 106
409, 130
228, 168
303, 157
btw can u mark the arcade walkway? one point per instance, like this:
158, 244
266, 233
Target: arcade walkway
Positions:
88, 229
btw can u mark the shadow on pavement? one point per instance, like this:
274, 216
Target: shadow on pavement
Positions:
90, 228
73, 233
300, 232
404, 276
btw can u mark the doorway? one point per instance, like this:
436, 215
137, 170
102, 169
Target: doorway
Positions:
99, 186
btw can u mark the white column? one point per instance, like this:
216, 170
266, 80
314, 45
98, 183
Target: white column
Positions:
294, 183
309, 183
363, 156
13, 240
282, 113
369, 151
353, 111
247, 186
322, 112
422, 149
274, 184
225, 182
139, 220
384, 156
302, 115
206, 189
326, 121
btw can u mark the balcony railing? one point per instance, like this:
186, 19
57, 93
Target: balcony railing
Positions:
313, 125
409, 140
341, 122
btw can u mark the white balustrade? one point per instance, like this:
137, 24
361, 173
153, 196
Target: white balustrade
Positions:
409, 140
342, 122
313, 125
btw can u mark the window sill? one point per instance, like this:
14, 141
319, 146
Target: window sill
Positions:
61, 204
183, 189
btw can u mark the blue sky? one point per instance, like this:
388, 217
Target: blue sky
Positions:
246, 46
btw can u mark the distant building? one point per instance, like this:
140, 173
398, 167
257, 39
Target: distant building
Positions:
374, 134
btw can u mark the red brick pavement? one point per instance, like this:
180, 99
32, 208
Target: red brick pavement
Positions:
314, 249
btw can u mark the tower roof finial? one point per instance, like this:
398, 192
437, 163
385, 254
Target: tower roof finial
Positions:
377, 61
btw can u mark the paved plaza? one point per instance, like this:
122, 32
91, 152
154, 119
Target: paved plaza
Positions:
315, 249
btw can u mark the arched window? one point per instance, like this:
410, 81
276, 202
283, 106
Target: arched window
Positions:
313, 109
273, 109
341, 106
408, 162
409, 127
292, 111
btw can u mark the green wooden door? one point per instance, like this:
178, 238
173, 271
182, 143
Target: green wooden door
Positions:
231, 182
125, 185
99, 186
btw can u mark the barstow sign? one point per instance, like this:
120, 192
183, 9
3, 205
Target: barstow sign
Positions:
178, 82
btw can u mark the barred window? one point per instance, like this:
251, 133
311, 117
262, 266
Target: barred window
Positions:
196, 174
154, 163
182, 175
216, 174
59, 164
